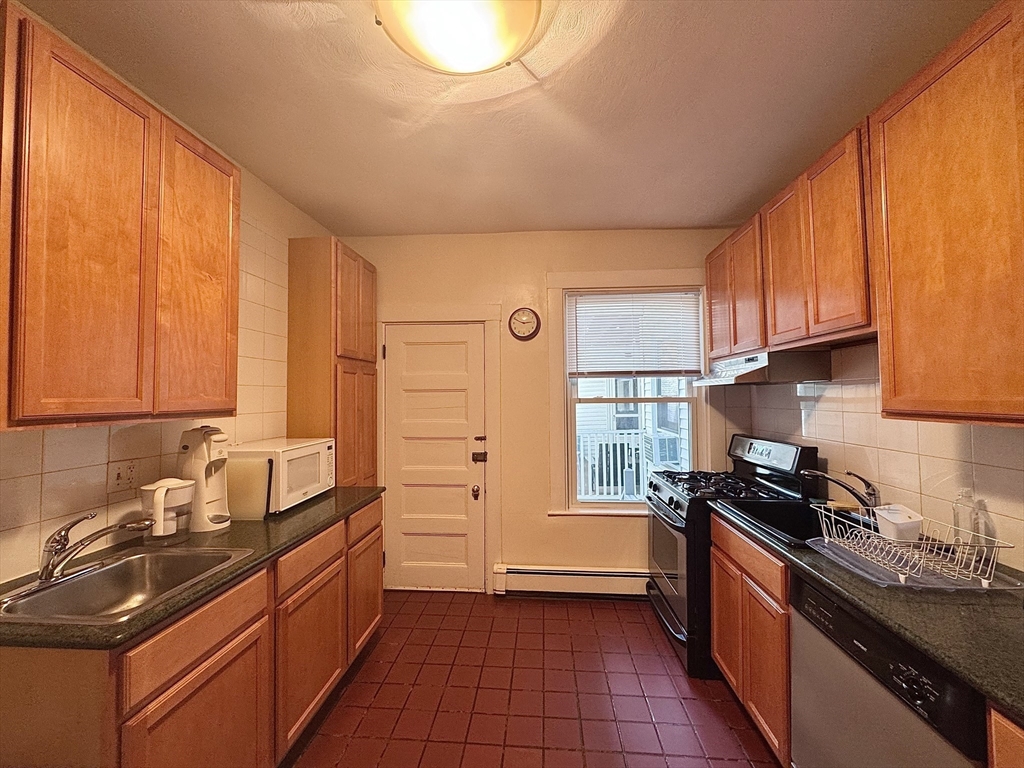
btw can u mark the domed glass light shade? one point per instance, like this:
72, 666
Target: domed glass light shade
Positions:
460, 36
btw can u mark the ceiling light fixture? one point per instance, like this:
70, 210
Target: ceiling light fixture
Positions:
460, 37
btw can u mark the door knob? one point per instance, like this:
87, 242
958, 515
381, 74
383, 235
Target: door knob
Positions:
476, 492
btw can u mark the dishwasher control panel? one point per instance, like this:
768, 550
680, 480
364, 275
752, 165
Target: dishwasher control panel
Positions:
938, 696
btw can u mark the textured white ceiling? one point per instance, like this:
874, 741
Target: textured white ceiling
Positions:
626, 114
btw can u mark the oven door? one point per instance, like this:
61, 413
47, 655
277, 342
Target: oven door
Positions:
667, 540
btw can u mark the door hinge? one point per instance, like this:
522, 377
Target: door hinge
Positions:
479, 457
383, 351
383, 559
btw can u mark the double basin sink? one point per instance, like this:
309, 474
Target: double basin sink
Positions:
118, 587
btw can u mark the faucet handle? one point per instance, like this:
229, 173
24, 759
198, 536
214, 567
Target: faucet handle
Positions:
869, 488
58, 540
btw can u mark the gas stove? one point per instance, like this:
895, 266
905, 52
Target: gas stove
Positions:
714, 485
680, 533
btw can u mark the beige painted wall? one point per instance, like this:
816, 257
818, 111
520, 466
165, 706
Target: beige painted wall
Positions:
511, 270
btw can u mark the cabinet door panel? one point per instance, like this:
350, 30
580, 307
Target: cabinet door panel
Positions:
312, 650
366, 590
197, 304
766, 667
719, 302
726, 619
367, 311
747, 286
946, 154
346, 437
366, 429
785, 245
85, 237
1005, 742
347, 315
219, 716
837, 259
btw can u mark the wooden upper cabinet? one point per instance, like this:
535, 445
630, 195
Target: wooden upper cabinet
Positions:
357, 305
347, 315
785, 253
197, 312
84, 236
837, 256
947, 171
367, 311
747, 287
718, 302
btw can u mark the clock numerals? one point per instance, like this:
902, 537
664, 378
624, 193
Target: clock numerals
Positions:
524, 324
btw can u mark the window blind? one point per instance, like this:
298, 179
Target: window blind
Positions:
638, 334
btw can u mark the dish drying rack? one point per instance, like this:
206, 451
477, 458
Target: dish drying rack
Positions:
943, 556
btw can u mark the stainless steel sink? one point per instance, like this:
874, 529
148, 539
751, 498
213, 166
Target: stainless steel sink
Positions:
116, 588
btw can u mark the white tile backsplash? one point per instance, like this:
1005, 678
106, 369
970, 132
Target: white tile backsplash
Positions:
922, 464
51, 476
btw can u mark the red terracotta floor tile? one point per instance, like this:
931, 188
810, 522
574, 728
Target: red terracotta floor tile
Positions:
439, 755
523, 757
402, 754
561, 758
482, 756
458, 680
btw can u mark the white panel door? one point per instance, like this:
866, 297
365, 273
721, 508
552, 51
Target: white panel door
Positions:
433, 411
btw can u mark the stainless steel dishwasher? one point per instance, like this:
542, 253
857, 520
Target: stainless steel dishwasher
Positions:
864, 698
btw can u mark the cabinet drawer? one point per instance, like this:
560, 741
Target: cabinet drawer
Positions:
150, 666
305, 560
365, 520
768, 571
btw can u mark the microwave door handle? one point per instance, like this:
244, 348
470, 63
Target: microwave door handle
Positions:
270, 481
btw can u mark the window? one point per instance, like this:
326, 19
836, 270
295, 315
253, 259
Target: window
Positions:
630, 361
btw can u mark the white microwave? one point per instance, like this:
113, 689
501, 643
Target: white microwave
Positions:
269, 476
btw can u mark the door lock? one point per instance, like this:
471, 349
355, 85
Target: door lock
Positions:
479, 457
476, 492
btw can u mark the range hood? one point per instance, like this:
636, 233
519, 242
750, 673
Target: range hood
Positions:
770, 368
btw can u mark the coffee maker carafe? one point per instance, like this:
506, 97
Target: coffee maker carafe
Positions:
169, 503
203, 457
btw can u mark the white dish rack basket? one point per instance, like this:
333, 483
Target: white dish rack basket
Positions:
943, 556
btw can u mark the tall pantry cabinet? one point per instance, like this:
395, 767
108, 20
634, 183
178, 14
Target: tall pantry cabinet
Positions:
332, 353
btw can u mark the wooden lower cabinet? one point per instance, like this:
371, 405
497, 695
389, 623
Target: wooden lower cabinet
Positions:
750, 643
727, 618
312, 650
766, 666
366, 589
218, 716
1005, 742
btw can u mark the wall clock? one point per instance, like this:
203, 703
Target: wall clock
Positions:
524, 324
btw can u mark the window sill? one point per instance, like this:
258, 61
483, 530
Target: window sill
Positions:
612, 511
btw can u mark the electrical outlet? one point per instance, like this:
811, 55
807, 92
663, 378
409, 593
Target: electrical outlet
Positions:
121, 476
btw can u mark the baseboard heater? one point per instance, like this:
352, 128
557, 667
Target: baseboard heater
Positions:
593, 581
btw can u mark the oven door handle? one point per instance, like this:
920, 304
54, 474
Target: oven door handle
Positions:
655, 506
670, 625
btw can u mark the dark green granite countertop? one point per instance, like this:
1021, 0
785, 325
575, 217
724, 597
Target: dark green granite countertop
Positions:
977, 635
266, 538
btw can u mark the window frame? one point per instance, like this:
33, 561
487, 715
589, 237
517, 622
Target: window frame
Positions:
558, 284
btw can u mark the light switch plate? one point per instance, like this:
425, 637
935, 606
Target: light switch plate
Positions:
121, 476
